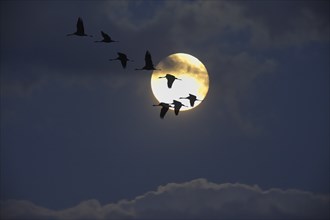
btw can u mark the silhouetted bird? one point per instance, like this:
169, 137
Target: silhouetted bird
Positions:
106, 38
80, 29
170, 79
192, 99
123, 59
177, 106
148, 63
165, 107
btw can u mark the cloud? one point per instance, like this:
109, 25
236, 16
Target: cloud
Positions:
222, 34
202, 28
178, 23
219, 33
233, 85
225, 35
196, 199
15, 209
217, 23
297, 24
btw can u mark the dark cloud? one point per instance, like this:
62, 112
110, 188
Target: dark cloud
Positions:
204, 29
212, 24
208, 30
96, 118
178, 63
223, 35
287, 23
239, 74
196, 199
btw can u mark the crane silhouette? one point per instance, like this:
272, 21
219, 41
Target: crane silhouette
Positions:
80, 29
123, 59
177, 106
164, 109
192, 99
106, 38
170, 79
148, 63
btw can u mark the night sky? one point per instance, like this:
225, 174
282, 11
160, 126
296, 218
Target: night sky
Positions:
80, 138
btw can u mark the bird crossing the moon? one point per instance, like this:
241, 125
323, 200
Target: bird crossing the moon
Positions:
80, 31
164, 109
170, 79
192, 99
177, 106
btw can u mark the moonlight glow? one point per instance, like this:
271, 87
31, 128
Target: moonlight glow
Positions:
193, 75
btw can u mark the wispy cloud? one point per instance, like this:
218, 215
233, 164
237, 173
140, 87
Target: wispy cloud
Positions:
297, 24
210, 22
196, 199
225, 35
222, 34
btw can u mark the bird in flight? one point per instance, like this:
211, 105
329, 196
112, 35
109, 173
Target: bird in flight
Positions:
170, 79
148, 62
177, 106
106, 38
165, 107
192, 99
123, 59
80, 29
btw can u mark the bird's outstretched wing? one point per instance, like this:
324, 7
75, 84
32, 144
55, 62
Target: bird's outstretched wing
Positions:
192, 96
163, 111
148, 59
170, 80
192, 99
123, 59
122, 55
169, 83
192, 102
123, 63
176, 110
80, 26
177, 106
105, 36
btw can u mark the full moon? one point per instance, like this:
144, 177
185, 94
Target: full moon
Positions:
192, 79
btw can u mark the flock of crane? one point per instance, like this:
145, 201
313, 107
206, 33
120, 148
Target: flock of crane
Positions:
148, 66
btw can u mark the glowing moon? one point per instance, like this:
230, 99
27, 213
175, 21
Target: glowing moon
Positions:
193, 75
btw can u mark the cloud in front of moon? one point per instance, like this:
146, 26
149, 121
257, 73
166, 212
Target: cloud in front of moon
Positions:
193, 75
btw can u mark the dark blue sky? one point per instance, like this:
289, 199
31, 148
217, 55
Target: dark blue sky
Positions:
76, 127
